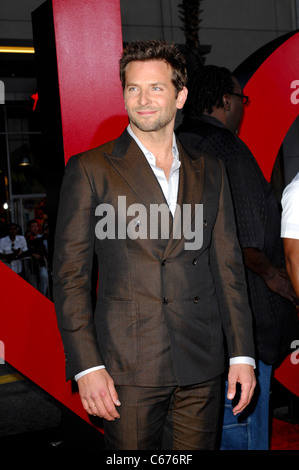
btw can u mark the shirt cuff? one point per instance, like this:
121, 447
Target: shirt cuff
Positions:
242, 360
84, 372
233, 360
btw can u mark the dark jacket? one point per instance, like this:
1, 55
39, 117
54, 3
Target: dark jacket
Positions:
258, 224
161, 308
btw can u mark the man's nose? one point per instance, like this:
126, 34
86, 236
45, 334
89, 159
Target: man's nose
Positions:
144, 97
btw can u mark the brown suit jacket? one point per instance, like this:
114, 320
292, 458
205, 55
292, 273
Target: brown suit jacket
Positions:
161, 309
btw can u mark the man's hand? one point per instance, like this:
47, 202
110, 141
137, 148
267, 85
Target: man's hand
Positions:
276, 278
280, 283
291, 250
98, 394
243, 374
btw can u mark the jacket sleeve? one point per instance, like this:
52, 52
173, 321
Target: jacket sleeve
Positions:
72, 268
229, 277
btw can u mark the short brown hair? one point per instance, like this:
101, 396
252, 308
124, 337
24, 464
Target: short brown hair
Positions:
155, 50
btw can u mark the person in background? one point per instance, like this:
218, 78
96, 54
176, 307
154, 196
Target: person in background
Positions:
39, 277
13, 248
290, 230
212, 117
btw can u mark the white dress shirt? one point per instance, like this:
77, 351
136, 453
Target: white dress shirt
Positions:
290, 210
7, 247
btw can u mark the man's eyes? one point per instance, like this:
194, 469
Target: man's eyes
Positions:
154, 88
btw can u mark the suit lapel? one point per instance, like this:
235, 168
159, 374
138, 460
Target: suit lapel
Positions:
191, 187
130, 163
132, 166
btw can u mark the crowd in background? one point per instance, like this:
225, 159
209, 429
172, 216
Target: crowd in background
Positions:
27, 253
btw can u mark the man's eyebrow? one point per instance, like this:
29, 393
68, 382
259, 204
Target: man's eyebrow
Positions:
159, 83
150, 84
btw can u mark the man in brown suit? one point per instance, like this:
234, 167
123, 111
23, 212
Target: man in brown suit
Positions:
163, 302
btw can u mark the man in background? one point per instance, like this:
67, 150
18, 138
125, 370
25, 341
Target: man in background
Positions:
39, 277
211, 120
13, 248
290, 230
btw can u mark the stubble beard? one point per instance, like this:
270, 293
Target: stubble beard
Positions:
151, 126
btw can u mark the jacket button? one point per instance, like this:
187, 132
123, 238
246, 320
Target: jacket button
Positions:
165, 300
163, 262
194, 261
196, 300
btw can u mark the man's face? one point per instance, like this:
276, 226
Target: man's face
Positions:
150, 96
34, 228
12, 231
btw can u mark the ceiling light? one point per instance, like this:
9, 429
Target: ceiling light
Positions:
17, 50
25, 161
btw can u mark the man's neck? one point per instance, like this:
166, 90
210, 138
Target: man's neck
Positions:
217, 114
159, 143
220, 115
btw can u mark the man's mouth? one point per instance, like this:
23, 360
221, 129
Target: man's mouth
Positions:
145, 112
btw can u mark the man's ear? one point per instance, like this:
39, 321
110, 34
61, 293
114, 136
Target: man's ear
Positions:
226, 99
181, 98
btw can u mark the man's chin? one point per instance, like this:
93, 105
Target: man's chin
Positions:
147, 127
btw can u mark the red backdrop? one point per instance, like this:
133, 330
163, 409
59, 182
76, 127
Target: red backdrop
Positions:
274, 105
88, 45
272, 108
